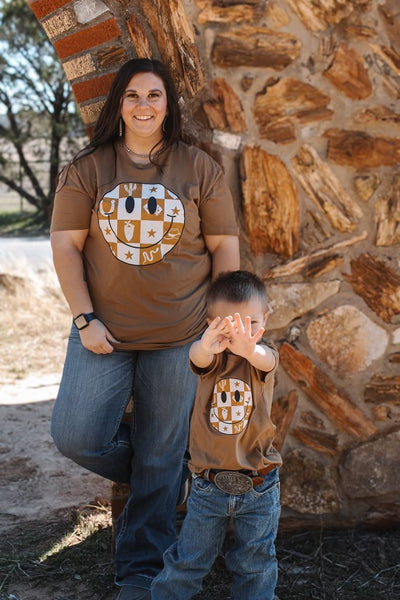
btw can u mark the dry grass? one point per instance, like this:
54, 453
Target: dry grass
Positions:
69, 557
340, 565
327, 565
34, 325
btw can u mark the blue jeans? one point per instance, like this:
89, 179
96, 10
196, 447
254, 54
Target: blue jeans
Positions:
86, 427
251, 560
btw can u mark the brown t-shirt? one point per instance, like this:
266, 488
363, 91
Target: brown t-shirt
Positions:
146, 262
231, 426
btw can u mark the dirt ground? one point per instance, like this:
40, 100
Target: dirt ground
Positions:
55, 522
48, 505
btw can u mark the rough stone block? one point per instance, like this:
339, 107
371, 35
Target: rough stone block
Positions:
59, 23
90, 112
79, 67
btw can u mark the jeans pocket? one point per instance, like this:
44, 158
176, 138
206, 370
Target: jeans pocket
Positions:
202, 486
270, 485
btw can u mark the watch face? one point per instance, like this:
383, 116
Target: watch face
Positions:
80, 321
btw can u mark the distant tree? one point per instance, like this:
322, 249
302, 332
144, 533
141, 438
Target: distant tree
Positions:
37, 111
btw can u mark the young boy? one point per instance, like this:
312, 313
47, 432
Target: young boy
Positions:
234, 466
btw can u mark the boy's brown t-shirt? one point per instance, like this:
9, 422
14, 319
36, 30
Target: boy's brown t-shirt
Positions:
231, 426
145, 258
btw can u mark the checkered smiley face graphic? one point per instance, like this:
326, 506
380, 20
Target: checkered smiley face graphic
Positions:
231, 405
141, 223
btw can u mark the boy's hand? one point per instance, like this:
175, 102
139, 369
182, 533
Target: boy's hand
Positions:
241, 340
215, 339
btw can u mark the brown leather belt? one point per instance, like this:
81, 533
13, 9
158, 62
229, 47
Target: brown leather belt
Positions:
235, 482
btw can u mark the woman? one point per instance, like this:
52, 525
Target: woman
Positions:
141, 223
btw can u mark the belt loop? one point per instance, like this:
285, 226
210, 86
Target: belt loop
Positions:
206, 474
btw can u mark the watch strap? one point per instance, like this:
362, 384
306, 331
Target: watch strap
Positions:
83, 320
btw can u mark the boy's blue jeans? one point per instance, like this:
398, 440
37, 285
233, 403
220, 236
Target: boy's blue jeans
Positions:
251, 560
86, 427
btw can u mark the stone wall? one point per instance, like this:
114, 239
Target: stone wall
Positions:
299, 101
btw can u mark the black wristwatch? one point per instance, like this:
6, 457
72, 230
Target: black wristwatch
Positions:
83, 320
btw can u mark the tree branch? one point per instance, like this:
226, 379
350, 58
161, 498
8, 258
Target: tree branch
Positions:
10, 183
15, 140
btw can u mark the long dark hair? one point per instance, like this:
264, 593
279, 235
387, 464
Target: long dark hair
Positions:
107, 128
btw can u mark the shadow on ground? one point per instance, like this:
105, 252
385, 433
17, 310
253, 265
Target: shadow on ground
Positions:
69, 557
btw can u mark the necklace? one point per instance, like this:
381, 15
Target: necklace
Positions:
130, 151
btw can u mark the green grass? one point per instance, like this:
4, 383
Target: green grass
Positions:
26, 223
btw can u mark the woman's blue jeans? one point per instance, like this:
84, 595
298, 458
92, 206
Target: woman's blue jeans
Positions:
251, 560
86, 427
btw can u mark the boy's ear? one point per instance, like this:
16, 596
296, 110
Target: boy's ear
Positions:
266, 315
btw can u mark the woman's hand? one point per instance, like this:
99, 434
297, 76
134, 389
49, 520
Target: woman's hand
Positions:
67, 254
96, 338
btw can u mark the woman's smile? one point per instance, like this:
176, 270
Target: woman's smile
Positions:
143, 110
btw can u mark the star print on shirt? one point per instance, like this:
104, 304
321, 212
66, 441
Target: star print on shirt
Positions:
141, 223
231, 406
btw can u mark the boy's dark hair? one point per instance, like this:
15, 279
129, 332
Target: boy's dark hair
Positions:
236, 287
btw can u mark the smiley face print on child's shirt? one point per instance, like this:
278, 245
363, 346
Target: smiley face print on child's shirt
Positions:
141, 223
231, 406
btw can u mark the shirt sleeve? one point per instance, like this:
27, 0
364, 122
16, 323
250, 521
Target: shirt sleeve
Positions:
202, 370
212, 368
75, 196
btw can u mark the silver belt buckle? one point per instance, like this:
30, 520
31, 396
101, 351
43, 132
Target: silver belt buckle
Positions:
232, 482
